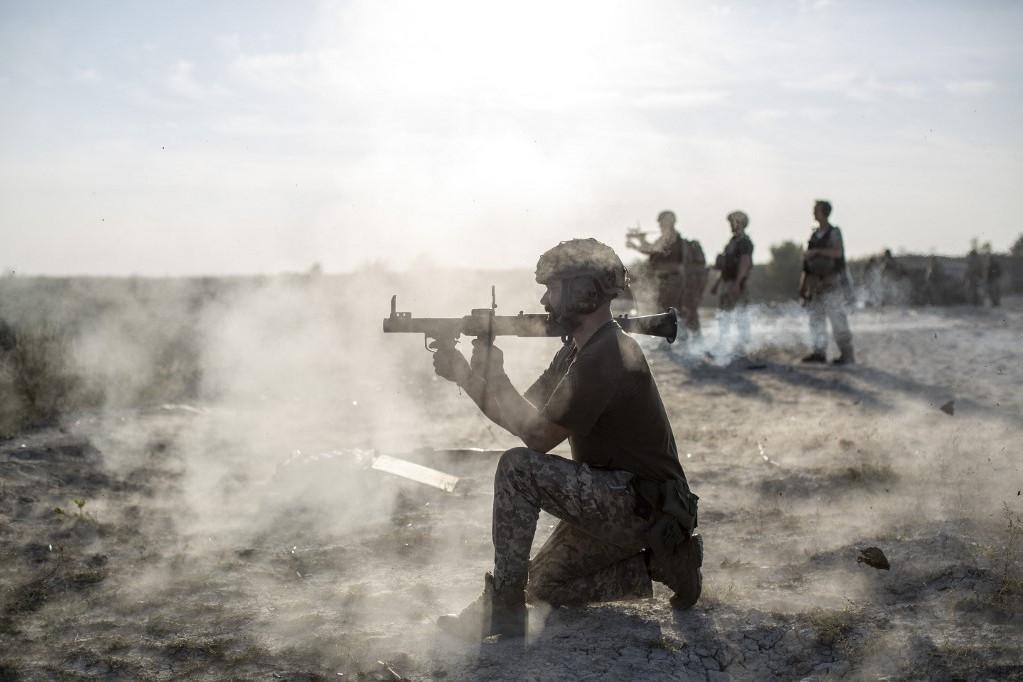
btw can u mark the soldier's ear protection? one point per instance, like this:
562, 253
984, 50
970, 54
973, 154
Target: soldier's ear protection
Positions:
584, 295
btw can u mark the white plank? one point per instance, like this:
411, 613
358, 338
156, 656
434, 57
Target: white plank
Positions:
415, 472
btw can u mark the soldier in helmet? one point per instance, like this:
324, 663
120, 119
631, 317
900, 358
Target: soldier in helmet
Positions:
625, 509
679, 270
734, 265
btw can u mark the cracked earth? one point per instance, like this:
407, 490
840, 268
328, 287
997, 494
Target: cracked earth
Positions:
212, 544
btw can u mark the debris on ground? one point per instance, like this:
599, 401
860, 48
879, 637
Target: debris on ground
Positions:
874, 557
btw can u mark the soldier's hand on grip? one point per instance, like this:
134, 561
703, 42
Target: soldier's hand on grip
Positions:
451, 365
487, 359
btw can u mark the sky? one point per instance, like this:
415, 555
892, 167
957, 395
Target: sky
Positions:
213, 138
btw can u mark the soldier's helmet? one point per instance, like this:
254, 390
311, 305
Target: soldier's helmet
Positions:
738, 218
585, 260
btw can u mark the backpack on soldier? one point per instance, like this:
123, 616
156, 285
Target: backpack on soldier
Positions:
693, 253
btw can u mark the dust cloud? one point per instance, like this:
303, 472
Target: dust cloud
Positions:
230, 512
294, 389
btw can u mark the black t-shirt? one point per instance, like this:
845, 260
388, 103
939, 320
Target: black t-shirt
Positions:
737, 247
606, 396
667, 252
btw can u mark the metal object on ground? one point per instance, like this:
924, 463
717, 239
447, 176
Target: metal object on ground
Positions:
415, 472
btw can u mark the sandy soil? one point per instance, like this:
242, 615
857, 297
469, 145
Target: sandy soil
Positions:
244, 541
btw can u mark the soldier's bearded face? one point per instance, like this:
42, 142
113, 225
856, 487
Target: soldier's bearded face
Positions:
551, 300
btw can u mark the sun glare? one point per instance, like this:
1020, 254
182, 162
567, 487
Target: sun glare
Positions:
506, 52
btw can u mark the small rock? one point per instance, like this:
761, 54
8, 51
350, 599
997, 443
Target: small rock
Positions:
949, 408
873, 556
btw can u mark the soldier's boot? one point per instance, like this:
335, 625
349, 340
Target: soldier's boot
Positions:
845, 358
494, 612
689, 585
816, 356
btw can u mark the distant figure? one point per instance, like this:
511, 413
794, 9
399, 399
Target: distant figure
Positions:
678, 267
733, 266
872, 282
934, 283
822, 288
972, 277
993, 277
894, 284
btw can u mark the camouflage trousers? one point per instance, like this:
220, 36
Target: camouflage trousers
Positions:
669, 290
829, 304
733, 310
596, 552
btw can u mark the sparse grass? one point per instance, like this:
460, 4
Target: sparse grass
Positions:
82, 515
665, 643
1007, 558
49, 362
830, 625
712, 596
38, 379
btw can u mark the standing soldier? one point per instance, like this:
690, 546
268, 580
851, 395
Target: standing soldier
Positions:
821, 288
934, 283
972, 276
665, 256
733, 266
993, 277
894, 279
626, 513
678, 267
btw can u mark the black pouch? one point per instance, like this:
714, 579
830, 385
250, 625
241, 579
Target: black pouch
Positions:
672, 506
676, 548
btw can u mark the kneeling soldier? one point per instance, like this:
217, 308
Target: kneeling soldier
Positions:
626, 512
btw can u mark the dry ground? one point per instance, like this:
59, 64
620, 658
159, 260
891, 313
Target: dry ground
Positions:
210, 541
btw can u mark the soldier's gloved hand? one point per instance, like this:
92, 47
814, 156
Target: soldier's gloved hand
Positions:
451, 365
487, 360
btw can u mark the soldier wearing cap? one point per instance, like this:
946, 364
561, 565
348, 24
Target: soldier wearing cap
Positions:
622, 493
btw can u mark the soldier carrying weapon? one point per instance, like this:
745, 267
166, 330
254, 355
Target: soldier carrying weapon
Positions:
626, 513
679, 269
